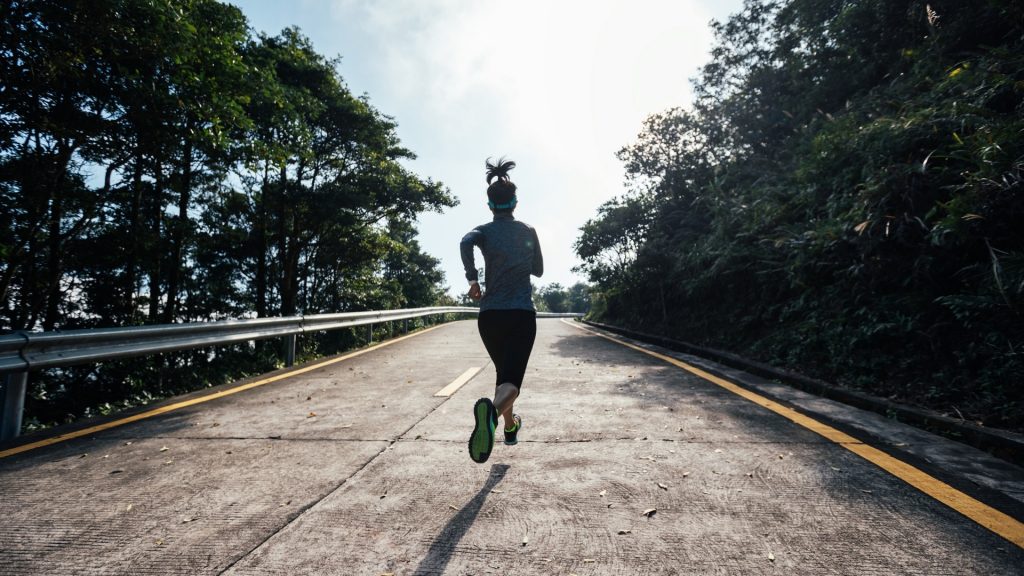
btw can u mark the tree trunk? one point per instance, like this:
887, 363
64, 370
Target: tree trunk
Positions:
155, 255
284, 247
261, 247
180, 227
132, 256
54, 265
24, 319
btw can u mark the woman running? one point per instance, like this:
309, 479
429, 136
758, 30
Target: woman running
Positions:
508, 320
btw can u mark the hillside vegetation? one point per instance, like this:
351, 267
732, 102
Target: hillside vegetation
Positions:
845, 198
161, 163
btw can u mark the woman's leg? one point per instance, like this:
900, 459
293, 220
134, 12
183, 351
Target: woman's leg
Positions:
505, 395
508, 336
522, 332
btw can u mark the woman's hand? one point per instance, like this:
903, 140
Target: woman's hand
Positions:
474, 291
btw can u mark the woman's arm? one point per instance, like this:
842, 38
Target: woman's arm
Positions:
538, 258
474, 238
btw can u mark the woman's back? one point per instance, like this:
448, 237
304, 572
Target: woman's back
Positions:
511, 254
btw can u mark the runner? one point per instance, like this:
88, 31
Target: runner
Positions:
508, 320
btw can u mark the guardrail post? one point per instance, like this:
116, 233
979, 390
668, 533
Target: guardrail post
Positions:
12, 404
406, 325
289, 350
369, 333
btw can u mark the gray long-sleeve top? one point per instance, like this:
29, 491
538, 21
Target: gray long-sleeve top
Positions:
511, 253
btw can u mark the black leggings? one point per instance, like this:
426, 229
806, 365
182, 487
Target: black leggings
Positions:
508, 336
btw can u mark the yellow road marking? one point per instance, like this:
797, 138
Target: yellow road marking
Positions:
996, 521
200, 400
458, 382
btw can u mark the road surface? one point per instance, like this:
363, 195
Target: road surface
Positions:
357, 467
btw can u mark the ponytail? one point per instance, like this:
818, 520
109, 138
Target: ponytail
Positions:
499, 170
501, 194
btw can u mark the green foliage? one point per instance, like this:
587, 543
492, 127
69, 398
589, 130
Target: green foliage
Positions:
555, 298
159, 164
844, 198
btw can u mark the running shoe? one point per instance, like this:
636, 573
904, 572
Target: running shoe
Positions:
512, 436
482, 440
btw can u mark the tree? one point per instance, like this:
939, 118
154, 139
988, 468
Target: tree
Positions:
160, 164
555, 298
840, 199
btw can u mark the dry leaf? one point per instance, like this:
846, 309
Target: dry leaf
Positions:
662, 486
129, 508
168, 461
685, 474
602, 493
164, 448
311, 415
718, 450
589, 560
526, 540
452, 507
625, 532
496, 491
649, 512
771, 557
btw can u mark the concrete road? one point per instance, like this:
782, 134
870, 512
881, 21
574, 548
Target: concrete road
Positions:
356, 467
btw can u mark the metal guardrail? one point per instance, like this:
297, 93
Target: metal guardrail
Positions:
25, 351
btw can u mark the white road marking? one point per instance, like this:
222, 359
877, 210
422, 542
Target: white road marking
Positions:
458, 382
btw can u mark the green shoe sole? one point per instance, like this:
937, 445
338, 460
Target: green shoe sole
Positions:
481, 442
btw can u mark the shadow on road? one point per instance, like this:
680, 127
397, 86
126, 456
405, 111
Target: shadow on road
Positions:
444, 545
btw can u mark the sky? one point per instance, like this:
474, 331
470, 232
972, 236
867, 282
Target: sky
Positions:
559, 86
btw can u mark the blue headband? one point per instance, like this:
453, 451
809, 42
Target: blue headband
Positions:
510, 204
